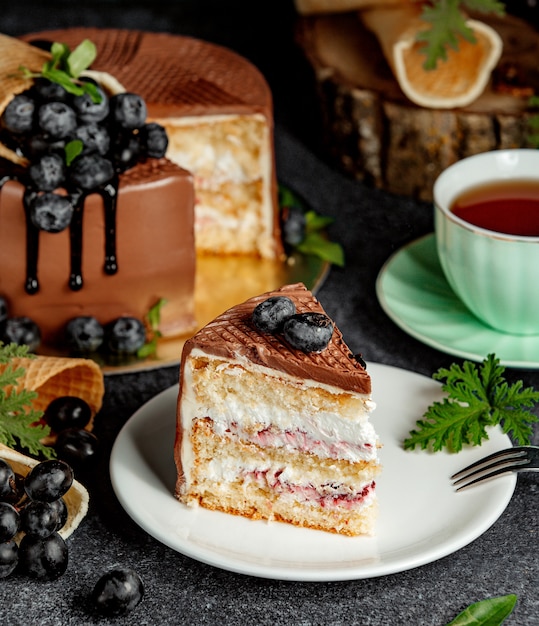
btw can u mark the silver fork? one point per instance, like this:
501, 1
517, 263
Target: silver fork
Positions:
517, 459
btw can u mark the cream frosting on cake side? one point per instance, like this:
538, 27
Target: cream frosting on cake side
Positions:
267, 431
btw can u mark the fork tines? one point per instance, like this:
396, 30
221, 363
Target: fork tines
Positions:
492, 465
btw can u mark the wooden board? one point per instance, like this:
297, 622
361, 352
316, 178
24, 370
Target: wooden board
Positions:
374, 133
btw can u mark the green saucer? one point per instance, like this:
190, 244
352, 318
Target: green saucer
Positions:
412, 290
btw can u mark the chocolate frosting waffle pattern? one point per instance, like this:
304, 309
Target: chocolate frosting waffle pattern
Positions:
333, 366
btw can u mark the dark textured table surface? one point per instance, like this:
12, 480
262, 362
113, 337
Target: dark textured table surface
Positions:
371, 225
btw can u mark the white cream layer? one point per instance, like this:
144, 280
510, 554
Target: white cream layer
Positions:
213, 167
296, 485
275, 423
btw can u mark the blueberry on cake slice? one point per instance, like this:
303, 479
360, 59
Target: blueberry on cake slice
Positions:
273, 418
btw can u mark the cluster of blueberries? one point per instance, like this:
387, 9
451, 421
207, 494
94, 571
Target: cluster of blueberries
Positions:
308, 332
112, 135
34, 506
32, 512
68, 417
123, 336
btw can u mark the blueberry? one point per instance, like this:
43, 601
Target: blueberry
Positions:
125, 335
39, 144
61, 511
89, 111
359, 358
154, 139
3, 310
22, 331
48, 480
270, 315
51, 212
94, 137
309, 332
84, 334
7, 480
43, 558
39, 518
293, 224
126, 151
67, 412
128, 110
118, 592
47, 172
9, 557
18, 116
91, 172
9, 521
77, 446
18, 493
48, 91
57, 119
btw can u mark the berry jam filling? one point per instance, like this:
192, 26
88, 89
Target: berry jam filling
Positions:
327, 496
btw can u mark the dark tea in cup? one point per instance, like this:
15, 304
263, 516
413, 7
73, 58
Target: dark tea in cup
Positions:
505, 206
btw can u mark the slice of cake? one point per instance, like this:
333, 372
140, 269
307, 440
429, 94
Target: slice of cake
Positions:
273, 418
218, 112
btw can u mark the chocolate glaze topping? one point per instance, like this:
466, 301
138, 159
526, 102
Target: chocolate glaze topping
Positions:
232, 335
109, 193
175, 75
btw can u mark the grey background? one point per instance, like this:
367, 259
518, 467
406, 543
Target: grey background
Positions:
371, 225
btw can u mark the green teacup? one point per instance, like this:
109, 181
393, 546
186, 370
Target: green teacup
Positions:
493, 263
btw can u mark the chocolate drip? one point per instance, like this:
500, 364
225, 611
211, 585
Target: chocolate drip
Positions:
109, 193
32, 245
9, 172
75, 240
110, 198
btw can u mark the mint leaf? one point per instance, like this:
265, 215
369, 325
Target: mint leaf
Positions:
152, 320
60, 54
317, 245
92, 91
61, 78
81, 58
65, 67
489, 612
154, 314
72, 150
314, 221
288, 198
477, 398
314, 242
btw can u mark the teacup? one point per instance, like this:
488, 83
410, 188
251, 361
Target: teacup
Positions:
495, 274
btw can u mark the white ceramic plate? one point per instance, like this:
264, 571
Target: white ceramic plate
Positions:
421, 517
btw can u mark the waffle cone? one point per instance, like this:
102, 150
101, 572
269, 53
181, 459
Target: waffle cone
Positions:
52, 377
76, 498
15, 54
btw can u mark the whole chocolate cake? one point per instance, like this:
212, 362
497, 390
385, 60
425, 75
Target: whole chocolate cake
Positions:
132, 239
